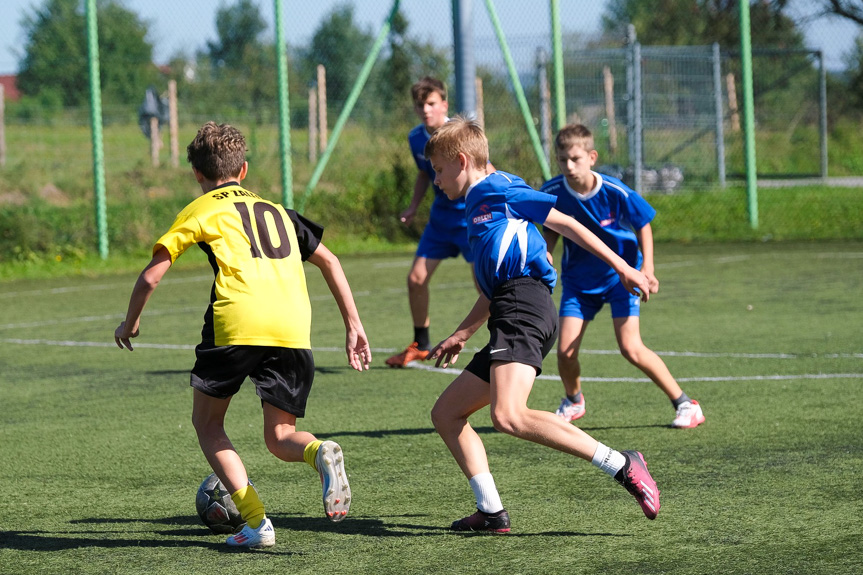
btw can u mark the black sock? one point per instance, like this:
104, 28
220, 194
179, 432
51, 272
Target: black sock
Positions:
682, 399
574, 398
421, 336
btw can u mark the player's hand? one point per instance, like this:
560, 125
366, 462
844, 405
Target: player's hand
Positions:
635, 283
123, 336
358, 350
550, 258
407, 216
447, 351
652, 282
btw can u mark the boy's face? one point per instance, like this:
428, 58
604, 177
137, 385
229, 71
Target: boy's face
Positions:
432, 111
575, 164
450, 175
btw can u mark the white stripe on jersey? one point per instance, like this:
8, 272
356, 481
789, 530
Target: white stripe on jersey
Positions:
514, 228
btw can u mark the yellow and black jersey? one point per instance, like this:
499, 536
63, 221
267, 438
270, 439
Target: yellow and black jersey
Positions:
256, 249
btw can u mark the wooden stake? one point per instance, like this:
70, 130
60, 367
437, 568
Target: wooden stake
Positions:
313, 125
732, 102
608, 82
322, 106
174, 124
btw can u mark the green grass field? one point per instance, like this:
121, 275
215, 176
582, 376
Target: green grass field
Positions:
100, 463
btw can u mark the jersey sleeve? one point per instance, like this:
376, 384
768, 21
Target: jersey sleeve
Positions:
530, 204
184, 232
639, 212
309, 233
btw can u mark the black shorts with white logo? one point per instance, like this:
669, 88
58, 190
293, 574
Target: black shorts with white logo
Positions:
282, 376
522, 327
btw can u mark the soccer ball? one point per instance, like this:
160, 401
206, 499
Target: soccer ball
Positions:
216, 508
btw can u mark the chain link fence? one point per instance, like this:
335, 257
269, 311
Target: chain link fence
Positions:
666, 119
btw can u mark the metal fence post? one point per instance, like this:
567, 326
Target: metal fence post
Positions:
822, 97
720, 117
465, 66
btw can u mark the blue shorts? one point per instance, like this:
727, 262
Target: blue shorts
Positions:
445, 236
586, 305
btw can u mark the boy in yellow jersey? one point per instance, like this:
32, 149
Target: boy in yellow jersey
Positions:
258, 324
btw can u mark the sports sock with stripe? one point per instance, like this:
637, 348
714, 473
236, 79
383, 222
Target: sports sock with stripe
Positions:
608, 459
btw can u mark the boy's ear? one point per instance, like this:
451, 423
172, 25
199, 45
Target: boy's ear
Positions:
243, 172
462, 161
199, 177
594, 155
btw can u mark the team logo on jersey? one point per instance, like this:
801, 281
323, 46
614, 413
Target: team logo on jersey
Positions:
485, 214
608, 220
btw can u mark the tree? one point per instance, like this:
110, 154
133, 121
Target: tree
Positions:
701, 22
54, 63
850, 9
239, 28
341, 46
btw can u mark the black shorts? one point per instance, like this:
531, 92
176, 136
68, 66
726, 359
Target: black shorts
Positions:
282, 376
522, 327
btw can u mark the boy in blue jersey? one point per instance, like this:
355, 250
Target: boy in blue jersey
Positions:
515, 279
621, 218
258, 323
445, 234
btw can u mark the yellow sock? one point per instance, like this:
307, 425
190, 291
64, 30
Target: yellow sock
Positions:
310, 453
249, 505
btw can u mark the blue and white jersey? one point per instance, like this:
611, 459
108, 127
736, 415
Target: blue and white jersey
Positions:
442, 205
612, 211
504, 241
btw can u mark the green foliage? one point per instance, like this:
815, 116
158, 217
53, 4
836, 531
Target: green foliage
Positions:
699, 23
55, 53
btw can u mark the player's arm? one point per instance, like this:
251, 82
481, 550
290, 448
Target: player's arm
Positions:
421, 186
645, 244
446, 352
356, 343
632, 279
144, 287
550, 236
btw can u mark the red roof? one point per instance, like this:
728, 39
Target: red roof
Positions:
10, 87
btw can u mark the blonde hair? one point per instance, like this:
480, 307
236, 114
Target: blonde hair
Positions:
574, 135
218, 151
459, 136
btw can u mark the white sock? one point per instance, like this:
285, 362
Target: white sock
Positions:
608, 459
487, 497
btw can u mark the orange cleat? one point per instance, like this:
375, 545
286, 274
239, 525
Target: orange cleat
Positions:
411, 353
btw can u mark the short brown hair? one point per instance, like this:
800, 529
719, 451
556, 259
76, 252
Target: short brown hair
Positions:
218, 151
425, 86
459, 136
574, 135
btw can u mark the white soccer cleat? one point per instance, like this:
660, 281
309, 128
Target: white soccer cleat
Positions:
689, 415
330, 462
570, 411
263, 536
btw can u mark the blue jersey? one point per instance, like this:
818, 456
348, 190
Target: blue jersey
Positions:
612, 211
504, 242
442, 207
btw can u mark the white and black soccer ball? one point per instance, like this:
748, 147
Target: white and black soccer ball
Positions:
216, 508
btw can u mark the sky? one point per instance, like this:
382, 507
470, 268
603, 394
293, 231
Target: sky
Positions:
177, 26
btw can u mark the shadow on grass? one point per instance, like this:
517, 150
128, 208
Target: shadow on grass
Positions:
189, 533
482, 430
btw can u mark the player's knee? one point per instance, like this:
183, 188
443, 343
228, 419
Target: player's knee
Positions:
417, 280
507, 421
633, 352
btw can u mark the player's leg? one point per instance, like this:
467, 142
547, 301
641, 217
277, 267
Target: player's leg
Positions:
464, 396
688, 412
418, 298
283, 380
510, 387
511, 383
572, 330
208, 416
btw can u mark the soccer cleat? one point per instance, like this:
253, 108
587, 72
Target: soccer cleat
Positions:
635, 477
484, 522
334, 481
689, 415
263, 536
570, 411
411, 353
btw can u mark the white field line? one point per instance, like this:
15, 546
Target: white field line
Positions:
456, 371
395, 264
